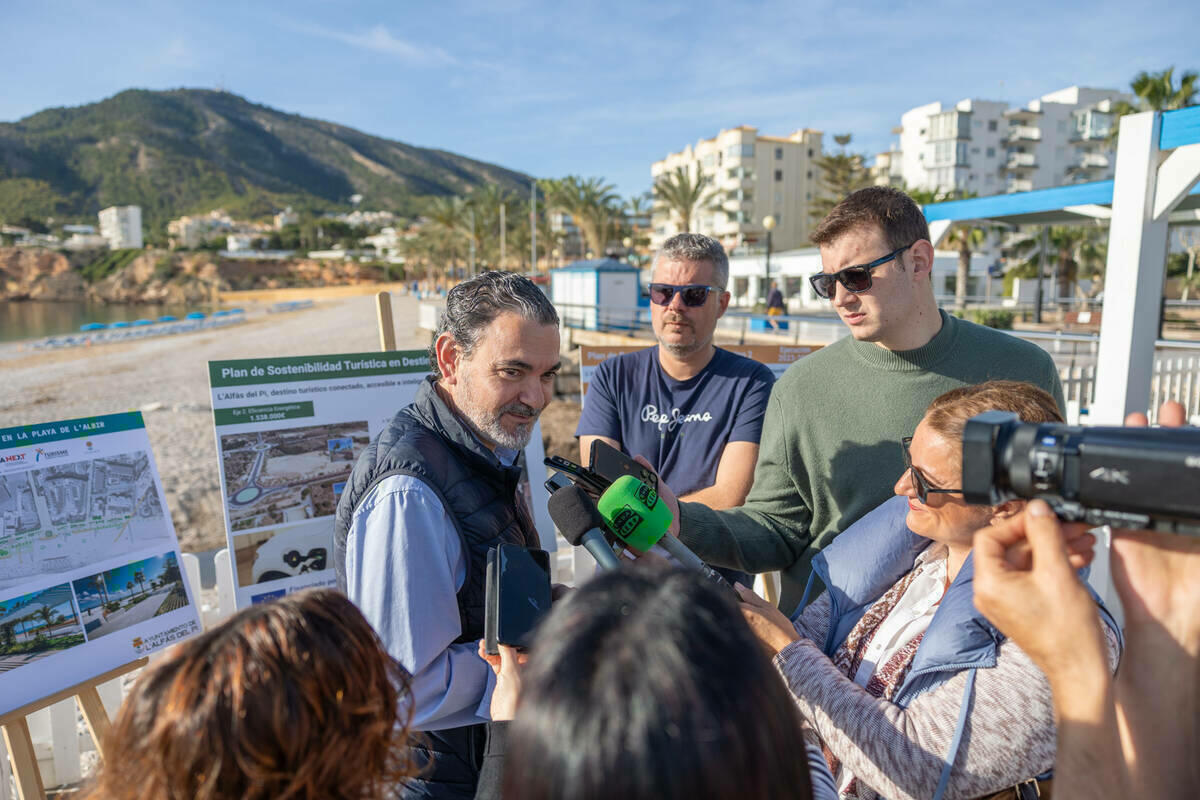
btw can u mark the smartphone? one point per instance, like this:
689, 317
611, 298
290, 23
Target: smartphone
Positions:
610, 463
517, 595
587, 480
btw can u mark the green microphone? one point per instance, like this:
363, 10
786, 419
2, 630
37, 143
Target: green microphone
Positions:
638, 517
634, 513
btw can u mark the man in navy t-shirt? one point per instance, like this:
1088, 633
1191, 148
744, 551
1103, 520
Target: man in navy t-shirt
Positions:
693, 410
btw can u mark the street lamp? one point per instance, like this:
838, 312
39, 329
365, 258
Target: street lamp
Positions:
628, 242
554, 256
768, 223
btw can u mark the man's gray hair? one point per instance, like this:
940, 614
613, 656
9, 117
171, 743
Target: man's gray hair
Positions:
696, 247
474, 304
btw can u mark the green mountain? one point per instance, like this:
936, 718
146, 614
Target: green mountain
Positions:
192, 150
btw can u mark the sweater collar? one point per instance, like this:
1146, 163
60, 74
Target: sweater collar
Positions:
922, 358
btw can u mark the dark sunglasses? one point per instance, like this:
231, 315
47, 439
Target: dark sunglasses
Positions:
693, 294
856, 279
919, 480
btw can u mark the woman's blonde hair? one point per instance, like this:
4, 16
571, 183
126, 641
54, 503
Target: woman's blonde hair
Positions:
947, 415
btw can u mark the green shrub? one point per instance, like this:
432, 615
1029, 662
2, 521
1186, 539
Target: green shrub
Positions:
108, 263
992, 318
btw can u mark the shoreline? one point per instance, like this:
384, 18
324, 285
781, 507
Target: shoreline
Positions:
166, 378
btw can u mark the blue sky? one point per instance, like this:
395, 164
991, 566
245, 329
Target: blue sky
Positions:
586, 88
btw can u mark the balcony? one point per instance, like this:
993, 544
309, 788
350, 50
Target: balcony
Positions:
1088, 162
1019, 185
1020, 161
1023, 133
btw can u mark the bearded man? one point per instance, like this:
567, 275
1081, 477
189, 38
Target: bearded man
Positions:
431, 495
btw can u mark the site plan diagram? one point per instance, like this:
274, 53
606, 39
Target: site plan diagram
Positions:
62, 516
288, 474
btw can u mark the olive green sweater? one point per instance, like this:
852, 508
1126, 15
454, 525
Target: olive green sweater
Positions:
830, 449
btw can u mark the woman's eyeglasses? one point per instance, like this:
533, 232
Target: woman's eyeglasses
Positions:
919, 480
856, 279
693, 294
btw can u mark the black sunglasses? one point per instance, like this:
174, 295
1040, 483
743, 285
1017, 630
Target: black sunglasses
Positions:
856, 279
919, 480
693, 294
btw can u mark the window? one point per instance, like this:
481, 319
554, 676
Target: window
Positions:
991, 152
810, 174
810, 152
778, 153
778, 174
748, 150
991, 124
778, 199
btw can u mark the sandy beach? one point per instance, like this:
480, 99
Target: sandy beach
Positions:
167, 378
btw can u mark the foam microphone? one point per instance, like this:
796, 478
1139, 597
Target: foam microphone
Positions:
580, 523
635, 515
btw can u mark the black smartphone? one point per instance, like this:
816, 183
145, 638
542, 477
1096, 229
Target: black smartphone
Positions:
610, 463
517, 595
587, 480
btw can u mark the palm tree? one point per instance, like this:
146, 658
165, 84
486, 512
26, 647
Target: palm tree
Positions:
1156, 91
47, 617
1076, 251
140, 577
683, 196
593, 204
7, 637
840, 174
448, 216
966, 238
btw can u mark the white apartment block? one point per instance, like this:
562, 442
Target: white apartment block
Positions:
985, 147
122, 227
752, 177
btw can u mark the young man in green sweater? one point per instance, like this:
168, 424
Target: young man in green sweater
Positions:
830, 449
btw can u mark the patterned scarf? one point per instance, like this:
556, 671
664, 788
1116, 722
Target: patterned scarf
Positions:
888, 676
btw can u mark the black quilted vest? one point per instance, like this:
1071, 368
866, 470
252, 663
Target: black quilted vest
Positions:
429, 441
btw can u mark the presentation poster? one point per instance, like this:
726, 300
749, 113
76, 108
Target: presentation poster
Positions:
289, 431
90, 570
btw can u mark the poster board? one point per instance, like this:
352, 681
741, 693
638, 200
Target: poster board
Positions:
87, 549
776, 357
288, 433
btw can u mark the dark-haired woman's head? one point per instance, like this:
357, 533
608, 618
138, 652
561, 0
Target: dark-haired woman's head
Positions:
651, 685
295, 698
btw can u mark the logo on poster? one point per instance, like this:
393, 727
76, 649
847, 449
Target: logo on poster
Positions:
13, 458
43, 453
154, 641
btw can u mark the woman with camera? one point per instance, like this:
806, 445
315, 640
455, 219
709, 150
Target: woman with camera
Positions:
912, 692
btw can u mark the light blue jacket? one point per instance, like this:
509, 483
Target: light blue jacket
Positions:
866, 560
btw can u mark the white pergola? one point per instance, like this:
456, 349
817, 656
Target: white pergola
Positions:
1157, 169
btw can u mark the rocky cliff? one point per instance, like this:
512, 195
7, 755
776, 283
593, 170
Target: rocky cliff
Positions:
162, 277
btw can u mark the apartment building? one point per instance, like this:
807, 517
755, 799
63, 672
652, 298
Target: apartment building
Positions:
122, 227
1061, 138
985, 147
751, 177
192, 231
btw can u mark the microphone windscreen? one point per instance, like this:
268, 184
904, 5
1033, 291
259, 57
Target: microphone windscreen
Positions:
574, 513
634, 512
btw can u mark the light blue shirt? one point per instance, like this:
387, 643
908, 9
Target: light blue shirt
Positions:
404, 568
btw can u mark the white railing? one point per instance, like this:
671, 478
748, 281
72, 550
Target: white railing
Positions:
1175, 378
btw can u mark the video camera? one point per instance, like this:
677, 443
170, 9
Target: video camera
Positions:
1140, 478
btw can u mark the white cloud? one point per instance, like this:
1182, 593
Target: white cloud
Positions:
380, 40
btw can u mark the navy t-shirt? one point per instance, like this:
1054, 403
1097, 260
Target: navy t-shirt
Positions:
680, 427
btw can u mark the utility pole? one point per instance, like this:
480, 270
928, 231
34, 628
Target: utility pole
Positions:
533, 224
502, 232
1037, 308
471, 273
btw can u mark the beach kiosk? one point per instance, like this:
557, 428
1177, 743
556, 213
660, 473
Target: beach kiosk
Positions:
600, 294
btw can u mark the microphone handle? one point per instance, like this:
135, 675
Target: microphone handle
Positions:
594, 542
687, 558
